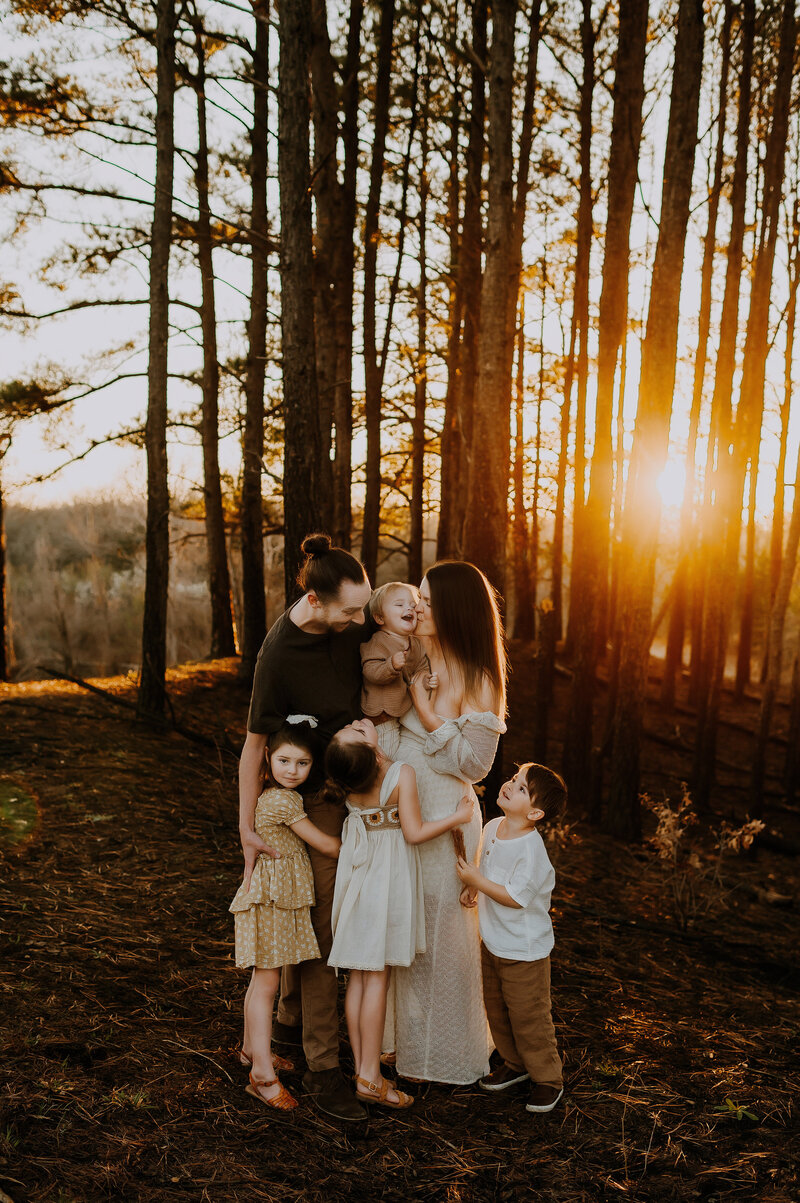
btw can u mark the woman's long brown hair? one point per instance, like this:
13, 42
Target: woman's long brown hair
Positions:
468, 625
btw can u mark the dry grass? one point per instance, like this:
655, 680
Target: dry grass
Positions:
120, 999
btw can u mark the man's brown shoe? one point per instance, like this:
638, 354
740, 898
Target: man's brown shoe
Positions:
543, 1098
333, 1096
502, 1078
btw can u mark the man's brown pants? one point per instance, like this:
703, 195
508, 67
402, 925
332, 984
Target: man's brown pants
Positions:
516, 995
309, 990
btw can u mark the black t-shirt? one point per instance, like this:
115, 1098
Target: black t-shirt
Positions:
301, 673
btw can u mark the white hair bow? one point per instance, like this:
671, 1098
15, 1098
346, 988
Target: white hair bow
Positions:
301, 718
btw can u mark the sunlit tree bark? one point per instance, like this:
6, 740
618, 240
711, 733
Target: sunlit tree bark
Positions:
254, 616
487, 495
416, 516
301, 459
592, 598
738, 438
343, 292
651, 435
151, 697
456, 449
778, 505
373, 376
777, 622
726, 357
223, 642
579, 337
677, 623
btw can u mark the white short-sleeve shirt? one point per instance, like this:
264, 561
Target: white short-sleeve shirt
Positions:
523, 867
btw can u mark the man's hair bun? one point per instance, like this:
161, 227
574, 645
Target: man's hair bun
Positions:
316, 545
325, 567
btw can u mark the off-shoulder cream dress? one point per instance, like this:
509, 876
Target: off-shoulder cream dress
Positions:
272, 924
436, 1020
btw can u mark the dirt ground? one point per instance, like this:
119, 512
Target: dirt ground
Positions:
120, 1001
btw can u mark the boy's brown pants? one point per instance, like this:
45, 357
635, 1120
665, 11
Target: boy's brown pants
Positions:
309, 991
516, 995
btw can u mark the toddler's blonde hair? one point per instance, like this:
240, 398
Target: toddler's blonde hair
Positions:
382, 593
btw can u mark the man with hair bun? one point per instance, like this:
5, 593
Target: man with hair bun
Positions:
310, 663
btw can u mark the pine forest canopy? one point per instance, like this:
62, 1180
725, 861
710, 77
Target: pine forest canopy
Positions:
502, 281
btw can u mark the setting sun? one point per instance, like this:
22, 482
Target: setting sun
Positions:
671, 483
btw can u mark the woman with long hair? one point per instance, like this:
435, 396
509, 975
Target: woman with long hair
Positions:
450, 739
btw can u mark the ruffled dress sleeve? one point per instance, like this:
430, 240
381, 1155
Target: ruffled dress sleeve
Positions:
464, 747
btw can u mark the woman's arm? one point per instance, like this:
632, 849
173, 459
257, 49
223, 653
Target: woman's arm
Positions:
423, 702
415, 831
250, 783
329, 845
475, 880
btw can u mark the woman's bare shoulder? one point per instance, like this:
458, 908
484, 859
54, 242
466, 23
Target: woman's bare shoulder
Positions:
482, 701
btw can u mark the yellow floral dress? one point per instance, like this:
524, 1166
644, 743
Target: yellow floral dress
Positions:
272, 923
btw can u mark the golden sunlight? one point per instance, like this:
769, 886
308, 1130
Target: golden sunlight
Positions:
671, 483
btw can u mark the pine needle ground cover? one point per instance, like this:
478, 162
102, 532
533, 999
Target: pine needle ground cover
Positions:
120, 1001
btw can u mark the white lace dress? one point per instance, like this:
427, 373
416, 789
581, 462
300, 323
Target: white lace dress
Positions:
378, 909
436, 1021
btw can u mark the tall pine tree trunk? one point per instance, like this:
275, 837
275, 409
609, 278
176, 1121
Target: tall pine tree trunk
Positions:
486, 519
711, 528
343, 292
524, 600
651, 434
778, 505
451, 437
577, 582
254, 608
302, 476
673, 657
744, 652
223, 642
151, 698
372, 364
417, 508
589, 632
457, 467
777, 621
738, 439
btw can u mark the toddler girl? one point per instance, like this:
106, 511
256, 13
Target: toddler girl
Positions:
271, 919
378, 917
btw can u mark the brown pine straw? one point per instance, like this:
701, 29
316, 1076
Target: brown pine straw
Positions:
119, 998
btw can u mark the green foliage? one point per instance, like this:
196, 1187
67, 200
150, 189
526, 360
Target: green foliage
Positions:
736, 1111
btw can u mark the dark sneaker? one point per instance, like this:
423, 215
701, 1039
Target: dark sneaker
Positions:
502, 1078
332, 1095
284, 1033
543, 1098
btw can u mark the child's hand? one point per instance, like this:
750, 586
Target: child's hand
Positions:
468, 898
464, 811
398, 661
469, 874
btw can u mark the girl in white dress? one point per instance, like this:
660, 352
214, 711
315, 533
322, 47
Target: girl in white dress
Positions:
378, 914
436, 1020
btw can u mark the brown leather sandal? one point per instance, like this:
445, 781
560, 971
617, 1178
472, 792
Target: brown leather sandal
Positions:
379, 1094
283, 1101
281, 1064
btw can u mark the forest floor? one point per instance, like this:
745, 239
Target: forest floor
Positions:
679, 1025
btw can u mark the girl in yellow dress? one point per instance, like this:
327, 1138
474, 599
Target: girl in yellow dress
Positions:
271, 920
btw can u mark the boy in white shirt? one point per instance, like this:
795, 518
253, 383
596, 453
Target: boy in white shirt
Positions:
513, 883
